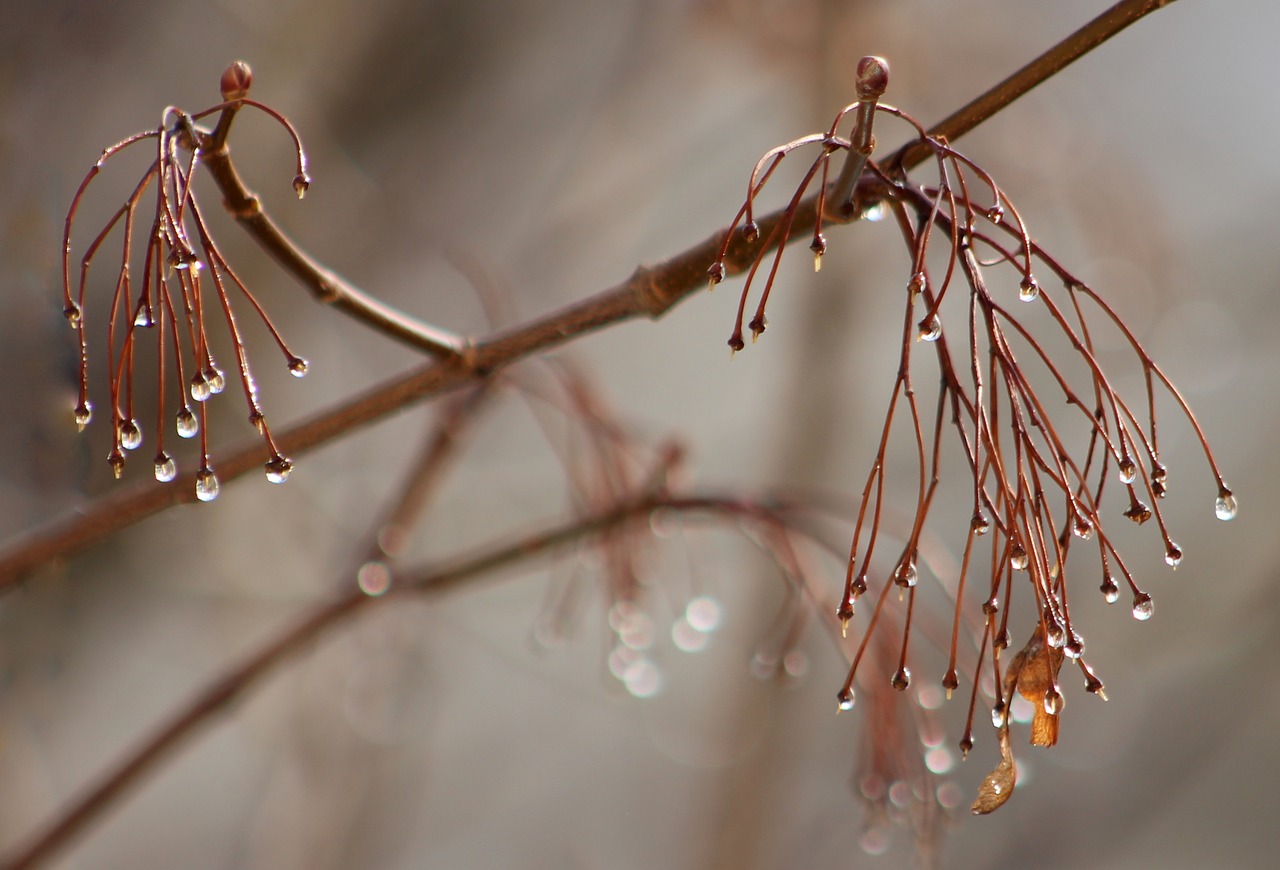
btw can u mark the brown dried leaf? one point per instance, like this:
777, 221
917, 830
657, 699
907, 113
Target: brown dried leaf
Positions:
1034, 671
998, 785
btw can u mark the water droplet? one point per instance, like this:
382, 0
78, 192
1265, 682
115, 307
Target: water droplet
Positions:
1082, 528
1143, 606
298, 367
907, 576
819, 247
1018, 558
875, 212
206, 484
916, 285
930, 329
991, 606
950, 682
1075, 646
1110, 591
116, 460
966, 743
995, 214
1172, 555
979, 525
902, 679
130, 435
200, 390
1056, 635
1093, 685
217, 381
1159, 480
278, 469
715, 274
999, 715
1138, 512
166, 468
143, 318
844, 700
1128, 471
83, 414
1028, 289
186, 424
751, 231
73, 314
1225, 506
1052, 701
703, 613
300, 184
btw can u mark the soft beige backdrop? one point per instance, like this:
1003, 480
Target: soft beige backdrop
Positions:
559, 144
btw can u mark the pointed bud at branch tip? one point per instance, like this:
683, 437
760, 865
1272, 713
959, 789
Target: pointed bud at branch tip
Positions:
236, 81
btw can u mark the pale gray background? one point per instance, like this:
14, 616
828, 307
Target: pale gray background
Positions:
561, 143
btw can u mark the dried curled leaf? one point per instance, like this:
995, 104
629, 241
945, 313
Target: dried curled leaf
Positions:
1034, 672
998, 785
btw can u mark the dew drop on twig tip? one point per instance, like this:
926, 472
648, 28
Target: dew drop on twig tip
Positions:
84, 413
1225, 507
206, 484
166, 468
844, 700
1143, 607
186, 424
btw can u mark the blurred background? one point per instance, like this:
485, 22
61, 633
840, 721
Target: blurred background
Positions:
543, 151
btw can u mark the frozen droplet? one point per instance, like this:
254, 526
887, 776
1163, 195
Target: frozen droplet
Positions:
902, 679
116, 460
1143, 607
1018, 558
300, 184
1225, 506
298, 367
1052, 701
130, 435
875, 212
73, 314
206, 484
1128, 471
83, 414
844, 700
930, 328
979, 525
1028, 289
200, 390
278, 469
186, 424
217, 381
819, 247
715, 274
907, 575
1172, 555
703, 613
1138, 512
166, 468
1110, 591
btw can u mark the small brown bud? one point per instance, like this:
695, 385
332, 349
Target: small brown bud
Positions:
236, 81
872, 77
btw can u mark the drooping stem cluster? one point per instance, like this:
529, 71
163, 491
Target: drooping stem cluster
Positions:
184, 280
1039, 473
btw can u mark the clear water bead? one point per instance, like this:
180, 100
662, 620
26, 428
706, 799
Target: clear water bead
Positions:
1143, 607
206, 484
1128, 471
186, 424
73, 314
217, 381
931, 329
1225, 507
979, 525
1028, 289
1052, 701
907, 575
278, 469
200, 389
1018, 558
1110, 591
844, 700
298, 367
1173, 555
999, 715
166, 468
130, 435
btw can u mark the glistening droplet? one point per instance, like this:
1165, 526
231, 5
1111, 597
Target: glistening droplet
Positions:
278, 469
73, 314
217, 381
999, 715
1128, 471
907, 575
902, 679
715, 274
1172, 555
83, 414
130, 435
819, 247
300, 184
844, 700
1052, 701
206, 484
298, 367
1110, 591
1143, 607
1018, 558
200, 390
166, 468
875, 212
1225, 506
186, 424
1028, 289
930, 329
979, 525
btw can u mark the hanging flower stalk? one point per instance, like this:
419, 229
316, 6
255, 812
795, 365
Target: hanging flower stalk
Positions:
1038, 489
182, 282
